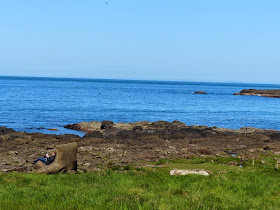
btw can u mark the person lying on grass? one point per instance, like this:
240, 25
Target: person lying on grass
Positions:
46, 159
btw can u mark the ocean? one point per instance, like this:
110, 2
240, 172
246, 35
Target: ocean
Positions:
37, 104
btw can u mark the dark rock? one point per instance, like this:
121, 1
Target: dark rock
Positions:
72, 126
204, 151
111, 132
274, 93
52, 129
137, 128
67, 137
5, 130
177, 124
95, 134
268, 147
40, 128
125, 134
200, 92
161, 125
106, 124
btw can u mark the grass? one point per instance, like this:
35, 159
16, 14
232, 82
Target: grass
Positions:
236, 188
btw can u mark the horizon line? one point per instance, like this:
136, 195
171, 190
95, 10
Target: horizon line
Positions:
133, 80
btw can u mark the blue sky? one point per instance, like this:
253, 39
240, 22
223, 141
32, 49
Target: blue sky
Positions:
187, 40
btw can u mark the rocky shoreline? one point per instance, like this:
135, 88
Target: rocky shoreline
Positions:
272, 93
119, 144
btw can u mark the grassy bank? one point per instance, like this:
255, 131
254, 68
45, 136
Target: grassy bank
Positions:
228, 187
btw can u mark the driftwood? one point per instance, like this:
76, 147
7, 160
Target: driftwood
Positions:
65, 160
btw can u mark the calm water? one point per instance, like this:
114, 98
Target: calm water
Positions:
27, 104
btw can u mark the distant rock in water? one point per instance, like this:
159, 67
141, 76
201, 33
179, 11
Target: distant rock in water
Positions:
200, 92
273, 93
52, 129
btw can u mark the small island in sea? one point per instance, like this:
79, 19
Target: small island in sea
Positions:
200, 92
272, 93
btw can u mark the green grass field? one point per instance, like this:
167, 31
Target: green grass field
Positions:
229, 187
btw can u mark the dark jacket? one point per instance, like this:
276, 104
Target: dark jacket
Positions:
50, 160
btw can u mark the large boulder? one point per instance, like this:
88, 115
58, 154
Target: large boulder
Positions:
66, 160
39, 165
106, 124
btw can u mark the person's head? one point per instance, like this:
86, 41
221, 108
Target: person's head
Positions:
53, 154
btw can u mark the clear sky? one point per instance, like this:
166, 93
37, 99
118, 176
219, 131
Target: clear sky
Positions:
190, 40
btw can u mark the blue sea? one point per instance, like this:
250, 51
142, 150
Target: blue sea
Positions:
31, 104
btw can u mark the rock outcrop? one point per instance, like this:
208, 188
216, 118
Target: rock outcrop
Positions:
200, 92
134, 143
66, 160
4, 130
167, 130
273, 93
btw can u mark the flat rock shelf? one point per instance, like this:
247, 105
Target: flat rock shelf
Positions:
121, 144
272, 93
